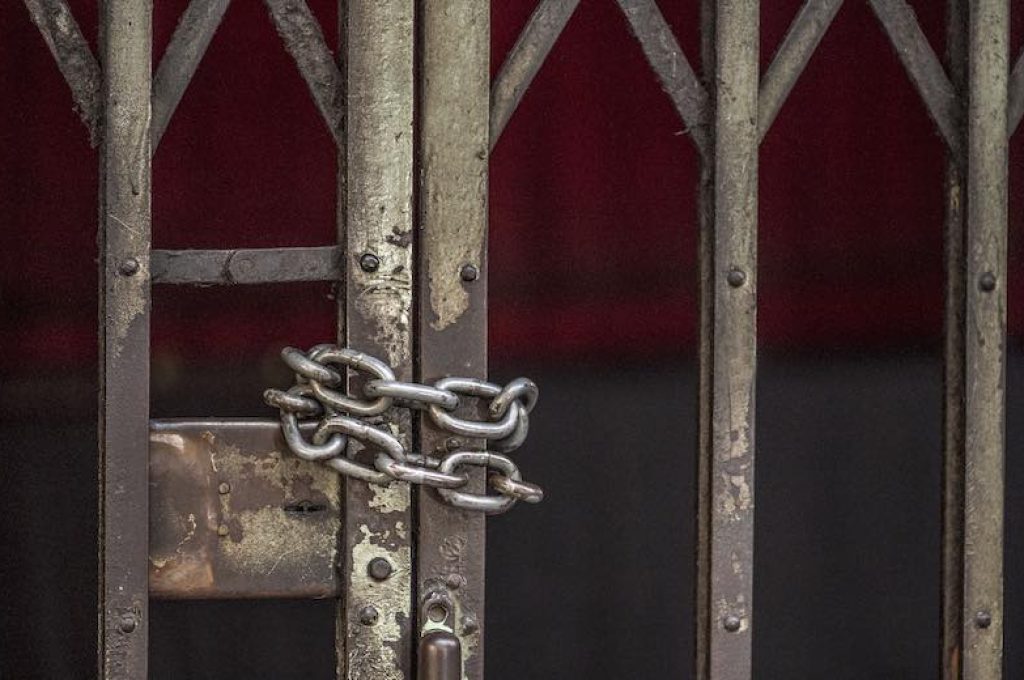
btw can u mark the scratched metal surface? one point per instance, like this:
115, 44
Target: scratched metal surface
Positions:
234, 515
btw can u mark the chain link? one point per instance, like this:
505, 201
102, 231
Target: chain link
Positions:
319, 396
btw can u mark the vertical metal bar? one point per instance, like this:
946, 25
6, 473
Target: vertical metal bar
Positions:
452, 276
728, 344
953, 367
124, 232
374, 627
985, 337
706, 360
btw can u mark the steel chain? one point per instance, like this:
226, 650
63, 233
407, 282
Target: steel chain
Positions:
320, 395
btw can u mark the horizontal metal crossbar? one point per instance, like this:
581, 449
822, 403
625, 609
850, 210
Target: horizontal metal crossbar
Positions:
246, 266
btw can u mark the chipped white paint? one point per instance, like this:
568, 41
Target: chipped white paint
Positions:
383, 300
371, 651
391, 498
453, 243
280, 471
131, 296
266, 539
175, 441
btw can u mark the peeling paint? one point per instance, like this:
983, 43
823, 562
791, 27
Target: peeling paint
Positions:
391, 498
169, 438
222, 514
281, 471
451, 244
384, 303
734, 497
264, 540
126, 303
371, 650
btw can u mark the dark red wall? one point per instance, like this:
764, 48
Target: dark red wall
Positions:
593, 196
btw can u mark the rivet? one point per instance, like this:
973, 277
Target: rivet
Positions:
454, 581
368, 615
731, 623
987, 282
369, 262
128, 623
469, 272
223, 530
452, 443
129, 267
983, 619
224, 488
736, 278
470, 625
378, 568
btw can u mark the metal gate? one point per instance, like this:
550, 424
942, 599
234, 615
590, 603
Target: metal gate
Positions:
408, 101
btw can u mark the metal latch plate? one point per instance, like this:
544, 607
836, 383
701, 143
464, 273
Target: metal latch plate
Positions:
234, 515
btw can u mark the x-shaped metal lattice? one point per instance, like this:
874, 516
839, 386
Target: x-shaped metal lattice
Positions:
975, 251
304, 40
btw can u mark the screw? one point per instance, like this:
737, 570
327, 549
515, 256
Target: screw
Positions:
469, 272
987, 282
128, 623
368, 615
470, 625
731, 623
223, 530
736, 278
369, 262
983, 619
378, 568
129, 267
224, 488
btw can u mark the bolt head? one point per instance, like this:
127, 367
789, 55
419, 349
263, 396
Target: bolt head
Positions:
368, 615
983, 619
128, 623
129, 267
369, 262
987, 282
379, 568
736, 277
469, 272
731, 623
